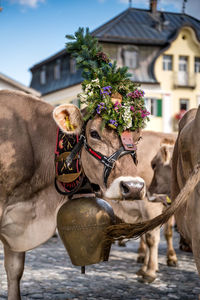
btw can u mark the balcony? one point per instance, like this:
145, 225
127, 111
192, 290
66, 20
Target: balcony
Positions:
183, 79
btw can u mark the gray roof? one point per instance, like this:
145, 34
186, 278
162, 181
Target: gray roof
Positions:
137, 26
133, 26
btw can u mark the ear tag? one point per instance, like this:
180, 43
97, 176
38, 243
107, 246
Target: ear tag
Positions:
69, 126
127, 140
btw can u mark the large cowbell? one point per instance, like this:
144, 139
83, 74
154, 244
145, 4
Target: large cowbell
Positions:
81, 224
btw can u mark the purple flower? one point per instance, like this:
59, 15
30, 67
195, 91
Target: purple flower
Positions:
106, 90
132, 108
145, 113
136, 94
117, 105
101, 106
113, 122
110, 64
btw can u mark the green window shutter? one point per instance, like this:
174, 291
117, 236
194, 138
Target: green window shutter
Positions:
159, 107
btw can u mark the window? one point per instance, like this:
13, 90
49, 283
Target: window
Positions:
197, 65
154, 106
130, 58
184, 104
57, 70
72, 66
167, 62
43, 75
183, 62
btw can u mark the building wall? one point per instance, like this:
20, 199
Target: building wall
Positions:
7, 86
68, 95
185, 44
145, 57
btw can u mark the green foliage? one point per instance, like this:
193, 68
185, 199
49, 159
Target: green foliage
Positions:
102, 81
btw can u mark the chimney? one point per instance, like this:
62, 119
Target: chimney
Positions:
153, 6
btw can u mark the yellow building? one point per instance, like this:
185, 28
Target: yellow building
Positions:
161, 50
178, 70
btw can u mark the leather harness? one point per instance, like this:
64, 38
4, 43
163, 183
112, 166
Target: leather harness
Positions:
108, 162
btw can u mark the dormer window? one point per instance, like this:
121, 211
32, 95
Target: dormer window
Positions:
57, 70
130, 57
72, 65
43, 75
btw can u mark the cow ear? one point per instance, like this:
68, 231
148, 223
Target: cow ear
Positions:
165, 155
68, 118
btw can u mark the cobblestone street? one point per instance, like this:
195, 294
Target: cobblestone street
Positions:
49, 274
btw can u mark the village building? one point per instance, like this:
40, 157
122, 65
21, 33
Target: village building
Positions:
161, 50
7, 83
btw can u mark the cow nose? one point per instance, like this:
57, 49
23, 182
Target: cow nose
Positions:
132, 189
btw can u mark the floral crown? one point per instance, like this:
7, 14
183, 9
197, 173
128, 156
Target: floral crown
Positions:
107, 90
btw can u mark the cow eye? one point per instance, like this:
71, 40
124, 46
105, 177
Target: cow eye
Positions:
94, 134
153, 166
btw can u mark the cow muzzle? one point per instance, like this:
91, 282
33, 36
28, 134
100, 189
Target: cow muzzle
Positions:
126, 188
132, 189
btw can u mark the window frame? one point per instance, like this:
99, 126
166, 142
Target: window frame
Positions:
72, 65
184, 101
182, 63
167, 63
197, 64
154, 106
43, 75
57, 70
131, 58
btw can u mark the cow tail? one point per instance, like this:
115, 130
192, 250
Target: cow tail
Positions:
127, 231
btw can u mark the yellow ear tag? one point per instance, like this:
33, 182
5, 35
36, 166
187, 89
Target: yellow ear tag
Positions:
169, 201
69, 126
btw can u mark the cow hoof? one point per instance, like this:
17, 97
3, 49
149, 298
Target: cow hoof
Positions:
185, 248
140, 259
121, 244
140, 272
147, 279
172, 263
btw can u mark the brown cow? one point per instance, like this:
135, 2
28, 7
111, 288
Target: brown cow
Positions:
135, 211
185, 187
28, 200
161, 188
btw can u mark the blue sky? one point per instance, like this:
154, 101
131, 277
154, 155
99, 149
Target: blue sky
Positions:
32, 30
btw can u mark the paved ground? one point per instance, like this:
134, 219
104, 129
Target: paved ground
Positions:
49, 274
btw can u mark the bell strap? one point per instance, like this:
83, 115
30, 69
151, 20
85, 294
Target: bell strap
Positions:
75, 151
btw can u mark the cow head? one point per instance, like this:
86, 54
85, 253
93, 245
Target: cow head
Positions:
161, 164
123, 182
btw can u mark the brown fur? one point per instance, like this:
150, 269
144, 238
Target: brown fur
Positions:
128, 231
28, 200
185, 178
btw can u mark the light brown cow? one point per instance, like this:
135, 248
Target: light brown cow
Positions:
138, 211
28, 200
185, 187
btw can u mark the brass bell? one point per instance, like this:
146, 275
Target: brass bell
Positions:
81, 223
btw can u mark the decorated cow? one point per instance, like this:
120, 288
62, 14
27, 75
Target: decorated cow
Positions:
105, 153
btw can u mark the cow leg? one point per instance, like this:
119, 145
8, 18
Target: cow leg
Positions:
141, 251
14, 265
143, 269
152, 241
171, 254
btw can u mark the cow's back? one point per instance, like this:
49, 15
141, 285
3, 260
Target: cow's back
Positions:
186, 151
24, 123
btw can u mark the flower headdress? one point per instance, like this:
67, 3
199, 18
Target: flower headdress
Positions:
107, 90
